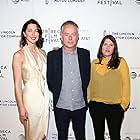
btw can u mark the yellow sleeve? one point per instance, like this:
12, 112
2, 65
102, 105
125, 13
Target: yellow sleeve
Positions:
124, 70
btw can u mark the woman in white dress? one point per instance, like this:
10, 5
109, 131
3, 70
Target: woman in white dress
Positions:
29, 74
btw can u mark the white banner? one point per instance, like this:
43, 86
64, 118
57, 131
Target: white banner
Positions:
95, 18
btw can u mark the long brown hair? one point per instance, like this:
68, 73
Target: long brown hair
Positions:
115, 60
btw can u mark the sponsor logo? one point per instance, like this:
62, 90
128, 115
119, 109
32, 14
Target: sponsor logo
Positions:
8, 34
134, 75
7, 102
123, 35
64, 1
132, 107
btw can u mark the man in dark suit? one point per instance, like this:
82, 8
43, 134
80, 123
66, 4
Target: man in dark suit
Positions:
68, 75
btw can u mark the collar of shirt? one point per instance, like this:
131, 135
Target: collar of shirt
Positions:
72, 53
105, 60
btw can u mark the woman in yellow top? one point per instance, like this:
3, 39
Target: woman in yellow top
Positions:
109, 90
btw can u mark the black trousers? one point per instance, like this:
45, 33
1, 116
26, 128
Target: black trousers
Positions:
63, 118
113, 114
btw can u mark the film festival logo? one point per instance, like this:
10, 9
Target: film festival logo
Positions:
52, 36
109, 2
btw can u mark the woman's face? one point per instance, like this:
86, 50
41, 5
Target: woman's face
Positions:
107, 48
31, 34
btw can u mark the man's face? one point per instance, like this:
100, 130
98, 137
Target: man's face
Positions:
69, 36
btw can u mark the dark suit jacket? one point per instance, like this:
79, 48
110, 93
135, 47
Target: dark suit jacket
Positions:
54, 71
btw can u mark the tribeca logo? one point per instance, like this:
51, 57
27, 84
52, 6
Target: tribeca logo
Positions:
109, 2
51, 35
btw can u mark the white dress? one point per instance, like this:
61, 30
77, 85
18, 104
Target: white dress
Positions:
35, 94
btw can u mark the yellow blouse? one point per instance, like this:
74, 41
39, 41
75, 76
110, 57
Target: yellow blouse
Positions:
110, 86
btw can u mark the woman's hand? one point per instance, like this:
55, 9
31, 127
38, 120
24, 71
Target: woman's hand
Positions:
23, 115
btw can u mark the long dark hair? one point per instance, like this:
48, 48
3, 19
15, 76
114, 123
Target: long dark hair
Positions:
23, 41
115, 60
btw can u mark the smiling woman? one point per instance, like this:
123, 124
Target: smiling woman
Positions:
29, 67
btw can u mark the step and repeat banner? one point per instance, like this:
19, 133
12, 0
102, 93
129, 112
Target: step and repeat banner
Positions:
95, 18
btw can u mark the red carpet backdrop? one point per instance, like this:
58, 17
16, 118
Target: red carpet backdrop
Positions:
95, 18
